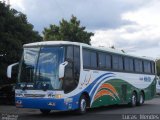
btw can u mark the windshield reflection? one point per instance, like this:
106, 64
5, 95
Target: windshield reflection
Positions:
28, 65
48, 67
40, 67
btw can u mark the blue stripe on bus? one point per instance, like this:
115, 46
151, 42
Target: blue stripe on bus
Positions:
88, 89
96, 80
42, 103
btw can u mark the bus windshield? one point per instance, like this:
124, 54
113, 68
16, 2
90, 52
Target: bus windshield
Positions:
40, 66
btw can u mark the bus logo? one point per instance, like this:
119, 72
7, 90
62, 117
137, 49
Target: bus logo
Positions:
106, 89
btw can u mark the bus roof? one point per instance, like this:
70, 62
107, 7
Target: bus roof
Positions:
110, 50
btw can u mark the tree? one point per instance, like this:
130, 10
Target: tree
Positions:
68, 31
15, 31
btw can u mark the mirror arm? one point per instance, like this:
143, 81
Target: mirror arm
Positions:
9, 69
62, 69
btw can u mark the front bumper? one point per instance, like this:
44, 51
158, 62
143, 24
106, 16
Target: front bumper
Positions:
43, 103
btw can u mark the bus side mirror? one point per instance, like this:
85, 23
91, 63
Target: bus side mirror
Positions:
62, 69
9, 69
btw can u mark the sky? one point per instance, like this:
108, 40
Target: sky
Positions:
131, 25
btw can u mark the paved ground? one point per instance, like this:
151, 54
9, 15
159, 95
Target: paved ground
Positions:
150, 110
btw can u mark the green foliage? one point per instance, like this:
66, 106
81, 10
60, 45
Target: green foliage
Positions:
14, 32
158, 67
68, 31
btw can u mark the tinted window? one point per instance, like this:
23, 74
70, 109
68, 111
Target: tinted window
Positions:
147, 67
69, 67
89, 59
117, 62
69, 52
102, 60
72, 70
86, 58
120, 63
128, 64
138, 65
76, 59
93, 60
108, 61
153, 67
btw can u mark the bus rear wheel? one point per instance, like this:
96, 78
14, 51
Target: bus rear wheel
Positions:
141, 99
82, 105
133, 101
45, 112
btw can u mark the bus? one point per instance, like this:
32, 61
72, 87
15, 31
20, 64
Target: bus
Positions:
62, 75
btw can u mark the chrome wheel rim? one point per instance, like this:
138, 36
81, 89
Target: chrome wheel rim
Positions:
134, 100
141, 99
83, 105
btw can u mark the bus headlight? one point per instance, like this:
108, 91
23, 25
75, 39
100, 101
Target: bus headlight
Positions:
19, 95
58, 96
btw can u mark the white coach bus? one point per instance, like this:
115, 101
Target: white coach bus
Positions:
61, 75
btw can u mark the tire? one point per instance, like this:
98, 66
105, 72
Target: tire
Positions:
82, 105
133, 101
141, 99
45, 112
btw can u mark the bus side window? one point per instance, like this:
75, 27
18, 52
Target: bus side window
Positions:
93, 57
153, 67
102, 60
117, 62
138, 66
86, 58
147, 66
120, 63
128, 64
108, 61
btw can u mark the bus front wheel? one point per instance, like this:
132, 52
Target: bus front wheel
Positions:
45, 112
82, 105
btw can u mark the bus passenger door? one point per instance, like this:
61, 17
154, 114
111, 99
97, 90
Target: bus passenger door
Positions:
72, 70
